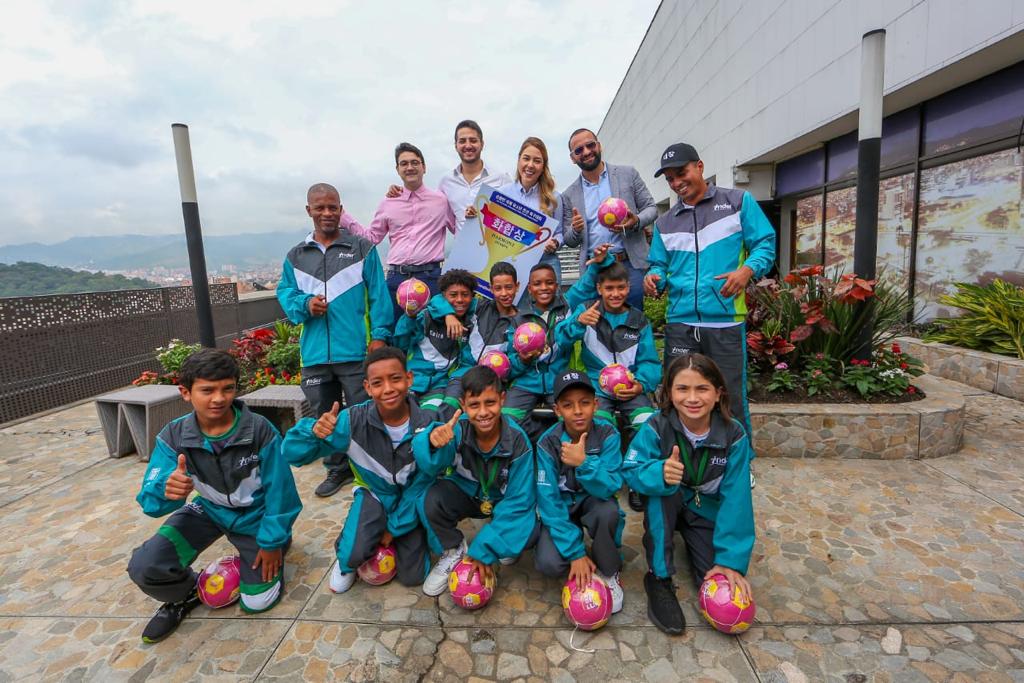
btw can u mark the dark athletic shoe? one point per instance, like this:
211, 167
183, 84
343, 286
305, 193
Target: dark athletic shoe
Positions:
636, 503
663, 606
168, 618
335, 479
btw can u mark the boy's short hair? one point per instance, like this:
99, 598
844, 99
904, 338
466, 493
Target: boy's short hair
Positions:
208, 364
477, 379
503, 268
616, 271
384, 353
457, 276
544, 266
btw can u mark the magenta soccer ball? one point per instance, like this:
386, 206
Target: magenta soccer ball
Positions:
529, 337
588, 608
725, 611
380, 568
469, 593
220, 582
412, 295
612, 211
615, 376
497, 361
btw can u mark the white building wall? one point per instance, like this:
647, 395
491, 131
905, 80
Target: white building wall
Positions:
754, 81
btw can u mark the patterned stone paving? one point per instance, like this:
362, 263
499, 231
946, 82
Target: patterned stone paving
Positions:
864, 571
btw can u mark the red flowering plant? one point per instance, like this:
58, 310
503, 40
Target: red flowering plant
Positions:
268, 355
811, 322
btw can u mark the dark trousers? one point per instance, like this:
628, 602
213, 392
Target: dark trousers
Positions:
359, 538
727, 346
663, 516
429, 276
519, 405
602, 519
162, 566
635, 412
444, 506
327, 383
636, 285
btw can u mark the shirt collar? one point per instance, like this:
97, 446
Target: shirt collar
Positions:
527, 193
683, 206
457, 173
604, 175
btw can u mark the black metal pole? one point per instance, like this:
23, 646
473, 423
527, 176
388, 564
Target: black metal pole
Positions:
869, 156
193, 234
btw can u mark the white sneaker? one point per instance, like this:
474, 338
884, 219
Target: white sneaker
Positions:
437, 579
339, 583
616, 590
506, 561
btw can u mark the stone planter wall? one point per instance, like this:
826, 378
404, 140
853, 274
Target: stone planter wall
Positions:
929, 428
990, 372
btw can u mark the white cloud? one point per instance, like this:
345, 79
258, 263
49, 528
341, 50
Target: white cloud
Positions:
277, 97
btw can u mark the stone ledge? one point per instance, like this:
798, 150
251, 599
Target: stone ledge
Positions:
991, 372
929, 428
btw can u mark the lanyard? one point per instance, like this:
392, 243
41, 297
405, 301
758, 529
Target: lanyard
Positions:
695, 482
485, 483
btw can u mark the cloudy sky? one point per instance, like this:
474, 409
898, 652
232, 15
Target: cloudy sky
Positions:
279, 95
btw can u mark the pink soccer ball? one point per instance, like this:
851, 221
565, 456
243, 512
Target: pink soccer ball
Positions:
612, 211
469, 593
615, 376
498, 362
528, 337
380, 568
220, 582
412, 295
725, 611
588, 608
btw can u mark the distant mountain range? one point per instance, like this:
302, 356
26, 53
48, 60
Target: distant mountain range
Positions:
131, 252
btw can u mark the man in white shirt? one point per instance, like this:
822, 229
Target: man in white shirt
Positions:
463, 183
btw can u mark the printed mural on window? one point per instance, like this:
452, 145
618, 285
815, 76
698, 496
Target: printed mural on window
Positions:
808, 231
969, 227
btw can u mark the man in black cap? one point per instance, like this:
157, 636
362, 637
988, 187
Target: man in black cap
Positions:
704, 251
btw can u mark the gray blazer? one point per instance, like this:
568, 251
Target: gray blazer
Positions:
626, 184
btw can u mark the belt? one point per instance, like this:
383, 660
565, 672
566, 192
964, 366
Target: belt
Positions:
404, 269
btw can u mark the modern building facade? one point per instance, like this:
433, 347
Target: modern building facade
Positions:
768, 92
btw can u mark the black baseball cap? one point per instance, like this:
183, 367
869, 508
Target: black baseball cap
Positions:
570, 379
677, 156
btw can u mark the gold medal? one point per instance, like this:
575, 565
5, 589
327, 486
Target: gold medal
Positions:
486, 507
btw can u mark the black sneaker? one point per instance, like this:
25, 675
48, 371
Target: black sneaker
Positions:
663, 606
636, 503
167, 619
335, 479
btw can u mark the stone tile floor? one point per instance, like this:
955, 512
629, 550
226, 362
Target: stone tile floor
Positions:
863, 571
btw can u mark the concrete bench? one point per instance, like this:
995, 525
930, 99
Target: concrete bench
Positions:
282, 404
131, 418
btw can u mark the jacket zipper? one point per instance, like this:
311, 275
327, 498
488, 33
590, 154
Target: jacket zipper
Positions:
696, 254
327, 315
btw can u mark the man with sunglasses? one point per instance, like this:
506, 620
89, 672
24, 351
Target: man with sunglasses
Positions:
597, 182
416, 220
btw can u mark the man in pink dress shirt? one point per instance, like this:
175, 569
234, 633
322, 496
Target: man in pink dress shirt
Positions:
416, 221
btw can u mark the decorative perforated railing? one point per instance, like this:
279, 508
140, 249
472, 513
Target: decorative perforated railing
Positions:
58, 349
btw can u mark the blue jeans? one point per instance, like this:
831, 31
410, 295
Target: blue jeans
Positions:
636, 286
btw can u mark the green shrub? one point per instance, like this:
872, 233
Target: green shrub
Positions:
992, 318
655, 309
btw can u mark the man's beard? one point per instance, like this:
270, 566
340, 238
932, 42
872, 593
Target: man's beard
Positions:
591, 165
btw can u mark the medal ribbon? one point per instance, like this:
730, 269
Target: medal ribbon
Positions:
485, 484
684, 450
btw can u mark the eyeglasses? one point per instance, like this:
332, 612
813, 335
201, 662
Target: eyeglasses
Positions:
589, 146
407, 163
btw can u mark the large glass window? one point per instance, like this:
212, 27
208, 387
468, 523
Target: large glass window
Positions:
987, 109
840, 221
969, 227
807, 231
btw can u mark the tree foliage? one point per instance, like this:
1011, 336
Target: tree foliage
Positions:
32, 279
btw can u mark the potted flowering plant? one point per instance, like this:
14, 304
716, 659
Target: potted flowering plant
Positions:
803, 338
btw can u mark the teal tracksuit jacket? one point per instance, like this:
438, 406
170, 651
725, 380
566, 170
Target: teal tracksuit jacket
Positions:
349, 275
246, 488
693, 244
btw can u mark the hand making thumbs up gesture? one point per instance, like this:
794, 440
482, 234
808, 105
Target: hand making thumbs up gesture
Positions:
574, 452
443, 435
591, 316
324, 427
673, 469
179, 484
577, 221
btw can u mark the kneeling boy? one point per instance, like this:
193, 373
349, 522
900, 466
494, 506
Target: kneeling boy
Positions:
578, 463
491, 476
377, 435
232, 458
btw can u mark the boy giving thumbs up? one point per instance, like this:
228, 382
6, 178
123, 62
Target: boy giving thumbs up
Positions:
578, 462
